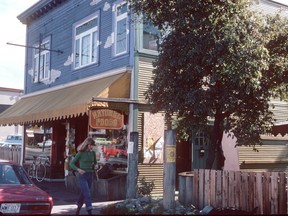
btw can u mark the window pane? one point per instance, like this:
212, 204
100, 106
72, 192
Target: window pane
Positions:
46, 75
45, 46
42, 63
150, 36
86, 26
94, 46
121, 36
77, 53
36, 51
86, 45
36, 65
85, 50
122, 9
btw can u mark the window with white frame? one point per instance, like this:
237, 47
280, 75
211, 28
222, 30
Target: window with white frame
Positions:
86, 34
41, 62
121, 29
150, 36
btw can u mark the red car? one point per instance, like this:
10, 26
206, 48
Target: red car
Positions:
19, 195
114, 150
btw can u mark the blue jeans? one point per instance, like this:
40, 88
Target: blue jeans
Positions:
85, 182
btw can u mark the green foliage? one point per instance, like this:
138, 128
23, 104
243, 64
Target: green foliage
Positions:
218, 60
145, 187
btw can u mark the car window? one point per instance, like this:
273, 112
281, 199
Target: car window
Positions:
9, 175
13, 174
11, 137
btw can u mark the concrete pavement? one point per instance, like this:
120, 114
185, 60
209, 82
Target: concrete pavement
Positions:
64, 201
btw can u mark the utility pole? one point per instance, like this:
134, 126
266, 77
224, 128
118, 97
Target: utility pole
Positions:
169, 170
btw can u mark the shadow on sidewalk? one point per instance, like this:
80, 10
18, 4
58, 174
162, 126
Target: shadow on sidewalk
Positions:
61, 196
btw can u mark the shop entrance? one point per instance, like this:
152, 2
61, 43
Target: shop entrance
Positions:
200, 145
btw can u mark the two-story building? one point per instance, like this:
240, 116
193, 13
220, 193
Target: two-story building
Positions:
87, 66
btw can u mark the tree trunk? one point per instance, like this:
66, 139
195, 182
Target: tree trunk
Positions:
215, 152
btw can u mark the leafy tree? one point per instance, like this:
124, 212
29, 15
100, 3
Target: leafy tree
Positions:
219, 60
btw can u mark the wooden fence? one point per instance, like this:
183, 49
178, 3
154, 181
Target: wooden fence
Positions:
236, 189
13, 154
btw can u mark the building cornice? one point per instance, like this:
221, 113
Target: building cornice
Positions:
38, 9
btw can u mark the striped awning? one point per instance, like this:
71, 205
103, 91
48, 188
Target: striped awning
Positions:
65, 102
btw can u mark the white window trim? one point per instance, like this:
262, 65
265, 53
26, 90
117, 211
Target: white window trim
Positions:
81, 36
141, 48
37, 77
116, 20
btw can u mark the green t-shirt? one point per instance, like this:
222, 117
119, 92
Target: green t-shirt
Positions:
86, 159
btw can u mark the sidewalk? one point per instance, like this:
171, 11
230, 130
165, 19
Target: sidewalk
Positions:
64, 201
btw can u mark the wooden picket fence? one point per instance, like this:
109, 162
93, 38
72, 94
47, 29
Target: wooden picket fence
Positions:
13, 154
236, 189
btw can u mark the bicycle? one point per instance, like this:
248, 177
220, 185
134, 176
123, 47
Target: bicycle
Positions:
38, 167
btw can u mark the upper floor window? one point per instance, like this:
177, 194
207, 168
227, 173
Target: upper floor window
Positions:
150, 36
121, 29
86, 35
41, 62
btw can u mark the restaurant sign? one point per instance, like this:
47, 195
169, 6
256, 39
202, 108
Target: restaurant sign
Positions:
106, 119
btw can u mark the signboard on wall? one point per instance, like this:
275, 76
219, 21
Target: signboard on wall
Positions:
106, 118
153, 138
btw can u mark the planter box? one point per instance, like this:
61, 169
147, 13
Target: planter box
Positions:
110, 189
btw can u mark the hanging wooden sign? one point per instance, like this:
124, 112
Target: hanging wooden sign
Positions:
106, 119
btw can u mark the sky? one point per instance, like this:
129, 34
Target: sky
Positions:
12, 58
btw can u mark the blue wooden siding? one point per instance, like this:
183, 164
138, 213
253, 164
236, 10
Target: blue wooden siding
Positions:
59, 24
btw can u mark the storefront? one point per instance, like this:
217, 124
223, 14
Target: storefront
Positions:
67, 115
108, 127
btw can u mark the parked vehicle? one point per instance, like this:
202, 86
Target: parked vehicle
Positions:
12, 140
19, 195
114, 151
47, 144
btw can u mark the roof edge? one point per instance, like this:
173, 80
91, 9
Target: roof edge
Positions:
38, 9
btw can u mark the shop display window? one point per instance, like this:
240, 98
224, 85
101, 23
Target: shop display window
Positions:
111, 147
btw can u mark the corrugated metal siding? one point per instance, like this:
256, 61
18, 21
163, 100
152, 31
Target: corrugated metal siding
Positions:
280, 110
269, 7
140, 131
145, 76
152, 172
267, 158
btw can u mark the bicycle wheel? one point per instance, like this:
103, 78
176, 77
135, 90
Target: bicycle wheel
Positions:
40, 172
30, 171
